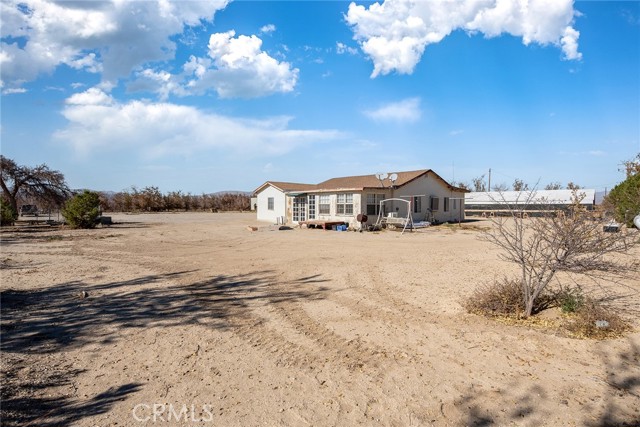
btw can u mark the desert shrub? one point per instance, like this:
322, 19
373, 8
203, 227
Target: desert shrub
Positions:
503, 298
570, 299
594, 320
83, 210
7, 214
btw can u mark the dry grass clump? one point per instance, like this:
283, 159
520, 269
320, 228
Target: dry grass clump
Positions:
583, 317
593, 320
502, 298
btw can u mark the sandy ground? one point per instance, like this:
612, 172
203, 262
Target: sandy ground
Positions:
192, 319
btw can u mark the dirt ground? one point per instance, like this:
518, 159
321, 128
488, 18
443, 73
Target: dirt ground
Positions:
193, 319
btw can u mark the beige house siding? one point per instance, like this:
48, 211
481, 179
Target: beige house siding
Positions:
424, 184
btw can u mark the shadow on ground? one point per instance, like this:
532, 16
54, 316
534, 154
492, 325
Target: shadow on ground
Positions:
50, 321
622, 386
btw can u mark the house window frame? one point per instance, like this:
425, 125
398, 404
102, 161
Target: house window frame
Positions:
374, 208
299, 211
344, 204
270, 203
312, 206
324, 204
417, 204
446, 204
434, 203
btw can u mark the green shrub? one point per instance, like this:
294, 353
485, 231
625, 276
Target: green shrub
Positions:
83, 210
570, 300
8, 216
625, 199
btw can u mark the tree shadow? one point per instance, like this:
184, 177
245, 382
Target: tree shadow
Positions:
67, 315
623, 379
59, 411
528, 404
55, 319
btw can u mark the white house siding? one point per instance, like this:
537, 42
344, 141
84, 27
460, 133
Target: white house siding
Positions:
426, 187
333, 207
279, 204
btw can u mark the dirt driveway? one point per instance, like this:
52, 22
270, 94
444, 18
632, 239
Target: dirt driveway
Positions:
192, 319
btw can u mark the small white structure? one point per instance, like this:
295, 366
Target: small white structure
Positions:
480, 203
271, 200
429, 198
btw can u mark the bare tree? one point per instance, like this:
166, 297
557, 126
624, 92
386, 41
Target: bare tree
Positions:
547, 245
520, 185
478, 184
631, 167
38, 182
553, 186
462, 184
502, 187
572, 186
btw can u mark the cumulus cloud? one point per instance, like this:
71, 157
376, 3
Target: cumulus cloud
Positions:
157, 129
112, 37
395, 33
236, 67
342, 48
407, 110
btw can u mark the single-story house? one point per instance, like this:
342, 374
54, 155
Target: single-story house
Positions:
478, 203
430, 198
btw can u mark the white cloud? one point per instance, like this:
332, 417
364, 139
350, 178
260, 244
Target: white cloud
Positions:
342, 48
151, 130
92, 96
112, 37
269, 28
10, 91
407, 110
456, 132
236, 68
395, 33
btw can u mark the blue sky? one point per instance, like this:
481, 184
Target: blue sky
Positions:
209, 96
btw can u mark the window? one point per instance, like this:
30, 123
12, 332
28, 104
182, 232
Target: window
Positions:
312, 207
373, 203
446, 204
324, 204
455, 204
417, 204
299, 204
345, 204
435, 203
270, 203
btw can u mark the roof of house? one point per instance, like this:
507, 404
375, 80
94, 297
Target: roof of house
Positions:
286, 186
545, 197
356, 183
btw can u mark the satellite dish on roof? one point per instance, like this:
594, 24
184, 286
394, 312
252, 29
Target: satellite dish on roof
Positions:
382, 175
393, 177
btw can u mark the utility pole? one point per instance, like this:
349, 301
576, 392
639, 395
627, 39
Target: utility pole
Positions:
489, 189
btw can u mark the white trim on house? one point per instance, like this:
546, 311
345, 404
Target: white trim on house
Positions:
342, 199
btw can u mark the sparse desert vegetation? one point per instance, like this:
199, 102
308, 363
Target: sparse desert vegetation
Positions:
292, 327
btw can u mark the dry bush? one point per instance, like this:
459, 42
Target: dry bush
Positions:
584, 322
503, 298
545, 245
